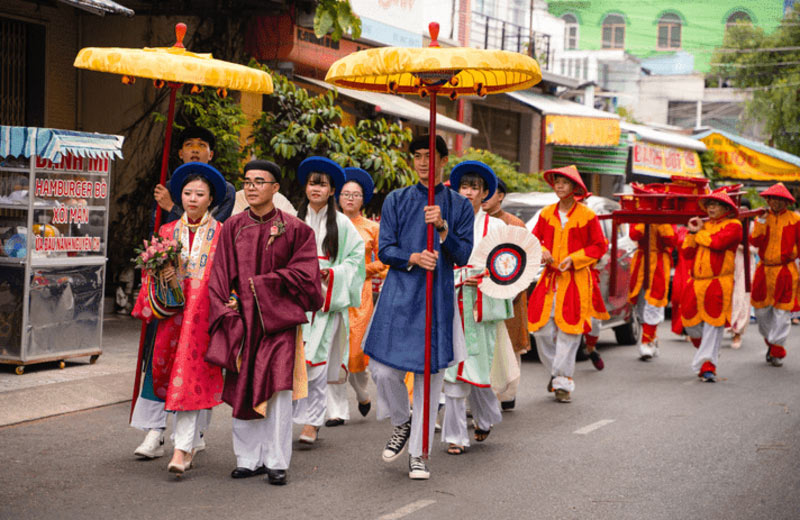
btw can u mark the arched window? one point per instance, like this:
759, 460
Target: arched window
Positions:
738, 17
669, 32
614, 32
570, 31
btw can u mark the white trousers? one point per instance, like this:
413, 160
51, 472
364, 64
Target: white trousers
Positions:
709, 345
648, 313
337, 402
595, 327
266, 442
482, 402
187, 429
774, 324
311, 409
557, 351
151, 415
392, 401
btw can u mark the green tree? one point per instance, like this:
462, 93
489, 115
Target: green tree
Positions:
503, 168
749, 60
297, 124
337, 18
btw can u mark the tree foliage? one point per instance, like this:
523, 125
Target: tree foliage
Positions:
297, 124
772, 76
503, 168
337, 18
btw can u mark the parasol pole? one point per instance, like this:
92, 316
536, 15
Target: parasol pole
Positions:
433, 27
180, 32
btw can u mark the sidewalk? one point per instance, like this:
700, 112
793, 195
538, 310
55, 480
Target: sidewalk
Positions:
44, 390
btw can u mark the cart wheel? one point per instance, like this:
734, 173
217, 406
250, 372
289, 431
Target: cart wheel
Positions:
93, 359
62, 364
19, 370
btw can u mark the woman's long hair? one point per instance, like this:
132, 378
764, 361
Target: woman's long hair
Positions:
331, 242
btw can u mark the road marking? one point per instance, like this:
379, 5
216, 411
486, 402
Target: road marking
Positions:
594, 426
407, 510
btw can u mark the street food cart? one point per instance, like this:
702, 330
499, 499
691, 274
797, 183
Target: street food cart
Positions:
54, 199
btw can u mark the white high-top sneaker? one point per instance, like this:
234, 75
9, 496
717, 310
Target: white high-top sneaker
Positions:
152, 446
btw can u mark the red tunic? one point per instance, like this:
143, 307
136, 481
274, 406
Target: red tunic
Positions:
708, 295
662, 240
775, 282
583, 241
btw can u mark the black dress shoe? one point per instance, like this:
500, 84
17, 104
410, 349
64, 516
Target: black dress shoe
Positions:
246, 473
333, 422
276, 477
508, 405
363, 408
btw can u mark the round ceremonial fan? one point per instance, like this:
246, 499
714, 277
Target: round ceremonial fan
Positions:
512, 256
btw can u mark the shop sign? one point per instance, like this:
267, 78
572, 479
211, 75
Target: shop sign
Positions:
740, 162
661, 160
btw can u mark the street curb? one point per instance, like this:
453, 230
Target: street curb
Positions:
59, 398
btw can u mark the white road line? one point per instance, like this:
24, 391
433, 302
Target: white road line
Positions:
592, 427
407, 510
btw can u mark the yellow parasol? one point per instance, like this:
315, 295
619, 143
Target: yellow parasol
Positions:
434, 71
173, 67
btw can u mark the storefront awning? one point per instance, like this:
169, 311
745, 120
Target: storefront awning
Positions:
611, 160
745, 159
100, 7
51, 144
663, 154
397, 106
572, 124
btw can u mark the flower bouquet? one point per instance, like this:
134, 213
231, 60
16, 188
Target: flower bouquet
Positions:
166, 299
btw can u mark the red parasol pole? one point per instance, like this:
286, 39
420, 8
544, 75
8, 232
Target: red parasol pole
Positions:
180, 32
433, 27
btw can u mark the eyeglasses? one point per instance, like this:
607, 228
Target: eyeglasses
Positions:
258, 183
350, 195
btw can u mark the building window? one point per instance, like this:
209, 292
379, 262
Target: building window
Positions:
22, 77
669, 32
570, 31
738, 17
614, 32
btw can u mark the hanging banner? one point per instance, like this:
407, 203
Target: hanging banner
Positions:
741, 162
664, 161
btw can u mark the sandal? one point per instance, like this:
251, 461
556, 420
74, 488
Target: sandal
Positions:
455, 449
481, 435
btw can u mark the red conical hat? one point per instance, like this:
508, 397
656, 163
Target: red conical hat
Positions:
720, 195
778, 190
571, 173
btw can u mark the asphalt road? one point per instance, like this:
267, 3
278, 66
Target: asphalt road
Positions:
639, 440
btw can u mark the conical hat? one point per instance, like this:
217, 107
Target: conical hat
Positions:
778, 190
571, 173
721, 195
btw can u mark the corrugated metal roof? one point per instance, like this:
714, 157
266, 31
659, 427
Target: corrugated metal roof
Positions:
651, 135
100, 7
397, 106
557, 106
753, 145
52, 144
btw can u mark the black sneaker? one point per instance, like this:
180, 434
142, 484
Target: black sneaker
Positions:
417, 469
397, 443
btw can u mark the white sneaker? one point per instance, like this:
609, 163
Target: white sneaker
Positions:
654, 346
645, 351
152, 446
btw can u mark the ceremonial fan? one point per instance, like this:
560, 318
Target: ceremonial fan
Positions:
512, 256
431, 72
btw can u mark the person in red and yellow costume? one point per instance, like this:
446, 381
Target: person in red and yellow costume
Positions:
708, 295
775, 284
561, 307
650, 302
